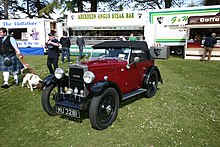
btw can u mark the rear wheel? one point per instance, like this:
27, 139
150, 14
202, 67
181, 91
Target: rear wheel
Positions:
151, 85
104, 109
178, 50
48, 99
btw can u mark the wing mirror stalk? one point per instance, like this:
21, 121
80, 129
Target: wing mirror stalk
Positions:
136, 59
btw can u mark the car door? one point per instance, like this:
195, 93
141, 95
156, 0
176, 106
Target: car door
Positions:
136, 71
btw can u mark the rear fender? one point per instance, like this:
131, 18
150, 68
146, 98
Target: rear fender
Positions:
153, 68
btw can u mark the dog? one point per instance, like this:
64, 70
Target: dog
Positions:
33, 81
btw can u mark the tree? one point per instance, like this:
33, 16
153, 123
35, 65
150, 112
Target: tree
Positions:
33, 8
44, 8
168, 3
94, 5
29, 7
74, 5
5, 7
162, 3
6, 4
210, 2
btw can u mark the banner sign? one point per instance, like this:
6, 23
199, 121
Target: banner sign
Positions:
212, 19
107, 18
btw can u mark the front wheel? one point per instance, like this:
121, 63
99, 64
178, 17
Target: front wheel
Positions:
151, 85
104, 109
48, 99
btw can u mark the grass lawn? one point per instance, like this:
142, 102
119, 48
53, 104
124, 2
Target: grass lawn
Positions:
185, 112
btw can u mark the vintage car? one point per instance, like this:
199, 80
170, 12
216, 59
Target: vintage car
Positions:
115, 72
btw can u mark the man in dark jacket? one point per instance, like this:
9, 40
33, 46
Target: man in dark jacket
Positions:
65, 42
8, 51
81, 43
53, 53
209, 43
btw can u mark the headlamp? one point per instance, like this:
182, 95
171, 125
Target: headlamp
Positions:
88, 77
59, 73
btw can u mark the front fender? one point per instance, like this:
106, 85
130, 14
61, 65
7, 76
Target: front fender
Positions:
50, 80
99, 87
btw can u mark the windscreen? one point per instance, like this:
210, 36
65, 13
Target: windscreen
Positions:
114, 53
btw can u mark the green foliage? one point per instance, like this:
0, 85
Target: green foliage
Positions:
184, 112
48, 9
44, 8
31, 7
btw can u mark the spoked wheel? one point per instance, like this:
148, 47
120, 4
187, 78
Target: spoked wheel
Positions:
48, 99
104, 109
151, 85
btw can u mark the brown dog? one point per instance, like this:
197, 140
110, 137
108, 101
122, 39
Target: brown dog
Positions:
32, 81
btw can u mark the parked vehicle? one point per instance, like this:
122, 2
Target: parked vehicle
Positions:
116, 71
159, 27
168, 26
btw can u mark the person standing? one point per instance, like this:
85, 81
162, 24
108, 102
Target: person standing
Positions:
80, 43
122, 38
209, 43
8, 51
53, 53
65, 42
132, 37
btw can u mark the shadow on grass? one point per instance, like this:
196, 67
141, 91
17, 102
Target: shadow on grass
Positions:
134, 99
131, 100
172, 56
85, 113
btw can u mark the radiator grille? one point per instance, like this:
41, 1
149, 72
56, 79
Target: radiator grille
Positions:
76, 77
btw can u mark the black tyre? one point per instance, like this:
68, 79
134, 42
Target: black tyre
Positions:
48, 99
104, 109
151, 85
178, 51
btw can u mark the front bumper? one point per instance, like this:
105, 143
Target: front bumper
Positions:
69, 105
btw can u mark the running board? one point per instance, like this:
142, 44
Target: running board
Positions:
133, 93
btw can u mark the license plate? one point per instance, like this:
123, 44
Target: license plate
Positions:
68, 111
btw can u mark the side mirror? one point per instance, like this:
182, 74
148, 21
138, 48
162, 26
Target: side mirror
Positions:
136, 59
86, 57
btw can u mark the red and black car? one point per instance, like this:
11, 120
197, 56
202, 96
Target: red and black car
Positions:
116, 71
